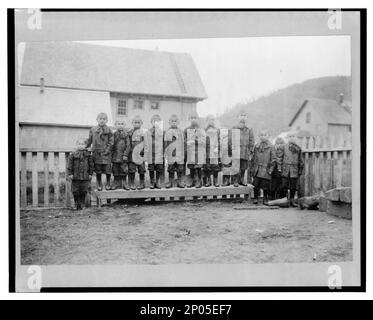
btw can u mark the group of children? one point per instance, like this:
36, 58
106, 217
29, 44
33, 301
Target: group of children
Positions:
273, 168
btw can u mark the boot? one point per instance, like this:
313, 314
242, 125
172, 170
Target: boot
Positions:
215, 180
152, 180
256, 196
226, 181
170, 181
82, 199
142, 182
235, 181
132, 181
124, 183
107, 185
77, 200
265, 198
99, 181
116, 184
292, 201
157, 184
180, 184
191, 182
198, 183
241, 178
207, 180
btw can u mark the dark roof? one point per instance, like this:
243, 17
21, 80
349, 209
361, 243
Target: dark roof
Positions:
332, 111
113, 69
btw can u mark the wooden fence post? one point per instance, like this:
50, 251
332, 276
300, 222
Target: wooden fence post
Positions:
35, 182
56, 178
23, 180
46, 179
67, 183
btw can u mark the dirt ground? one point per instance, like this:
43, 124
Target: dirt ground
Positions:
187, 232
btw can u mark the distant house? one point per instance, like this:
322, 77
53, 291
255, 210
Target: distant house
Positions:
322, 117
64, 85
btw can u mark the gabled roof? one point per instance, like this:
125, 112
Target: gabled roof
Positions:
332, 111
113, 69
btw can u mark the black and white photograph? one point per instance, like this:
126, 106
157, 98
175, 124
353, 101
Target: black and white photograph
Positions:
191, 148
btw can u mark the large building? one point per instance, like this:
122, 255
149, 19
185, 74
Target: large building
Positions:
323, 117
64, 85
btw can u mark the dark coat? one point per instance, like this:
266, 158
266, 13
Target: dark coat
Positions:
170, 137
246, 141
213, 131
264, 160
187, 147
80, 165
102, 141
150, 145
290, 160
135, 137
121, 147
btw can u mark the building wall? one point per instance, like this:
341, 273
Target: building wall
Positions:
50, 138
317, 125
167, 107
61, 106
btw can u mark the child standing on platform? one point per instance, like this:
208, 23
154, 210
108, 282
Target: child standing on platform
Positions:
121, 150
101, 139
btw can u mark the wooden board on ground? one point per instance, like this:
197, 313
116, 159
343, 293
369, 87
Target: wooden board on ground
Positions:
256, 207
173, 193
339, 209
332, 195
345, 195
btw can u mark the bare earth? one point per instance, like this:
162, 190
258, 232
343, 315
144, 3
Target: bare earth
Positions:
187, 232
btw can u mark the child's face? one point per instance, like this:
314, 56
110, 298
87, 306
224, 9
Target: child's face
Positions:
80, 145
156, 123
120, 126
101, 120
193, 121
211, 122
263, 136
291, 138
242, 118
173, 123
136, 124
279, 141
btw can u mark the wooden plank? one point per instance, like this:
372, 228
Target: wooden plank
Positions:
306, 174
337, 170
68, 194
23, 180
46, 179
339, 209
312, 174
318, 172
332, 195
345, 195
173, 192
346, 170
35, 198
56, 178
329, 171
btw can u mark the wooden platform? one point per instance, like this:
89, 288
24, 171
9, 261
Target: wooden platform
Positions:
173, 194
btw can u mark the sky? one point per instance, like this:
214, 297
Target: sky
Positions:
235, 70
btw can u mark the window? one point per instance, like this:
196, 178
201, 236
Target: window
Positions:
154, 105
138, 104
122, 107
308, 117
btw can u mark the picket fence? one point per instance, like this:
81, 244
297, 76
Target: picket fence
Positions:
327, 164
